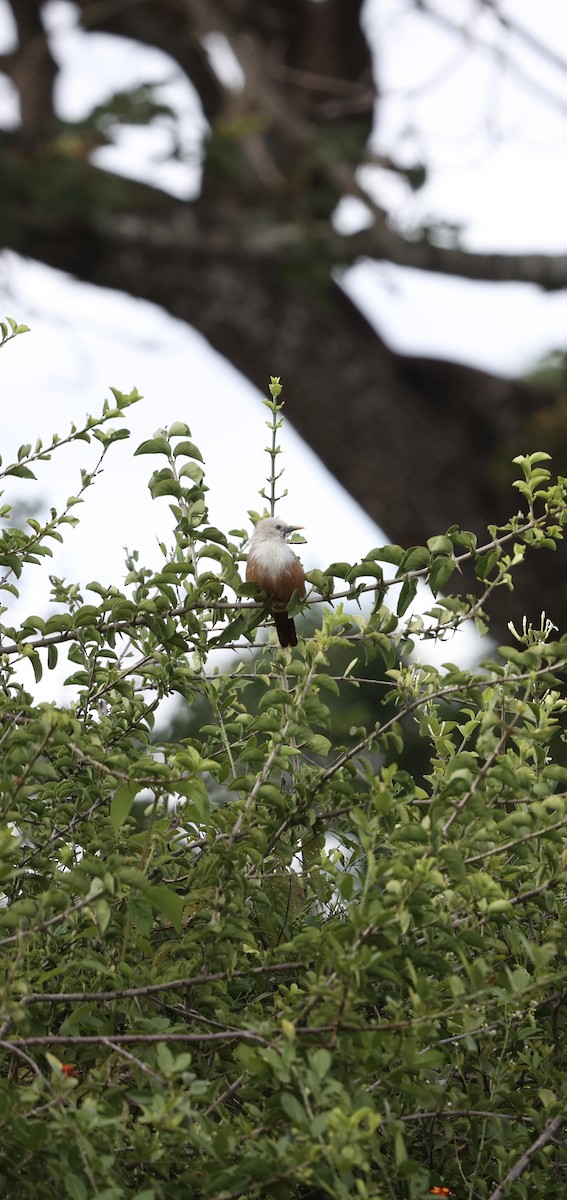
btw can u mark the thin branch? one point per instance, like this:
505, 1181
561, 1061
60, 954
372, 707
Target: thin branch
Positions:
481, 775
458, 1112
527, 36
132, 1058
528, 837
15, 1048
62, 916
521, 898
383, 242
122, 1039
548, 1133
228, 1092
260, 780
154, 988
440, 693
540, 89
449, 692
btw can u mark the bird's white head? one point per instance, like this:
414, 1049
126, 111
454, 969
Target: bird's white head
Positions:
273, 529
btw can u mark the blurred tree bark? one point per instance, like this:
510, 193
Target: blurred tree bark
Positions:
254, 262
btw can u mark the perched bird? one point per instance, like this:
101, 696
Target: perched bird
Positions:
273, 567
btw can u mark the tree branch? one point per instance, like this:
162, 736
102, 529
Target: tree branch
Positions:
548, 1133
547, 271
514, 68
123, 1039
155, 988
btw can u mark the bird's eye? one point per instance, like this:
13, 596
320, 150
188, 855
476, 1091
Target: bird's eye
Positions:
279, 528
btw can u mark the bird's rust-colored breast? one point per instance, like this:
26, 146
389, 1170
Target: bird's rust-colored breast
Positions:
280, 584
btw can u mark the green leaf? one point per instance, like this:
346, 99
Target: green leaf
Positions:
485, 563
454, 863
320, 1063
166, 1061
140, 914
415, 559
318, 744
346, 886
192, 471
275, 698
412, 832
109, 436
440, 573
365, 570
33, 656
179, 429
232, 631
339, 570
407, 594
13, 562
391, 554
167, 902
293, 1109
86, 615
103, 914
163, 483
20, 471
328, 683
157, 445
124, 401
463, 537
75, 1187
322, 582
33, 622
400, 1151
59, 623
189, 450
556, 772
94, 586
121, 803
440, 545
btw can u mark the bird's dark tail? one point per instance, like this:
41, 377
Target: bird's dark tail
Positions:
285, 629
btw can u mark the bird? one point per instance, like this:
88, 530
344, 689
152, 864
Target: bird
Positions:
273, 567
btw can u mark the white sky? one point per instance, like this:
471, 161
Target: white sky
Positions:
499, 167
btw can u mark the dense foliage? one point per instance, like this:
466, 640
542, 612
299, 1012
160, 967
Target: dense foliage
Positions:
248, 962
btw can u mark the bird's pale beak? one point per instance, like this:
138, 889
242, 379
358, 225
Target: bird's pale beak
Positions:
293, 529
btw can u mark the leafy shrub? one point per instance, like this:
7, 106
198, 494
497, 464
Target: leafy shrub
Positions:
249, 962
